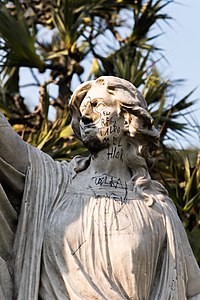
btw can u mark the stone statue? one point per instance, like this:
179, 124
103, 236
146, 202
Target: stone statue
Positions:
97, 227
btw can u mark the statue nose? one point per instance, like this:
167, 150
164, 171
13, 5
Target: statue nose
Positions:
86, 120
87, 111
88, 116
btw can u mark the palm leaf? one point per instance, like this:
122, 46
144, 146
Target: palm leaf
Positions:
18, 39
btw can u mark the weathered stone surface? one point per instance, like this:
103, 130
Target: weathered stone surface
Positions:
97, 227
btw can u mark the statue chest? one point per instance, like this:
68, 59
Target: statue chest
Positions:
102, 241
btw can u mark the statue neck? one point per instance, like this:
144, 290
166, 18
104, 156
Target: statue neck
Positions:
111, 161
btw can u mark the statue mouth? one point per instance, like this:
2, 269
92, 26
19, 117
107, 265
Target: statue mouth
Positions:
88, 129
88, 126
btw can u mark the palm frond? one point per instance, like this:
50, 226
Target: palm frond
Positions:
19, 44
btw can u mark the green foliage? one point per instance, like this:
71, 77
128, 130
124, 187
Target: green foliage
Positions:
68, 40
181, 177
18, 40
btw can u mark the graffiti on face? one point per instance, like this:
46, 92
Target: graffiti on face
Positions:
110, 131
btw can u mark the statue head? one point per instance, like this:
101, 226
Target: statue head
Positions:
124, 100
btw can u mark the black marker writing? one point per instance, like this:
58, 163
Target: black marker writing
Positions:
115, 152
107, 180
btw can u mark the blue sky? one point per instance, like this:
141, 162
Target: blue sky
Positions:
181, 44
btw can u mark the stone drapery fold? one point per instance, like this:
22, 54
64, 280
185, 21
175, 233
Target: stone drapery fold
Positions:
46, 183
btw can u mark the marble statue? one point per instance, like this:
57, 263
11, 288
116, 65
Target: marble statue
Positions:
98, 227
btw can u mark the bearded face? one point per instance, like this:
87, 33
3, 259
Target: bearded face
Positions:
101, 123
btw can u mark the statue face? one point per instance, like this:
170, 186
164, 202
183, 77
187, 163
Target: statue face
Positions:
101, 124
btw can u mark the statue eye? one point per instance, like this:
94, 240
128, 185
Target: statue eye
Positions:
94, 104
98, 104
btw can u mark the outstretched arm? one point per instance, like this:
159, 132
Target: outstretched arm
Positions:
13, 149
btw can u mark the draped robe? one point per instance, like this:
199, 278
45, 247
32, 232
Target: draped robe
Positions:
69, 243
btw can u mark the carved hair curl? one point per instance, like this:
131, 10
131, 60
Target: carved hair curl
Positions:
142, 136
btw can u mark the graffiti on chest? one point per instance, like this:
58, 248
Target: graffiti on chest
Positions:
109, 181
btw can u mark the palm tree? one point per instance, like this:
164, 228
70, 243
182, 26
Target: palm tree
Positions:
71, 41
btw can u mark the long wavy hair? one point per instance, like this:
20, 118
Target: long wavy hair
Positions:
142, 136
